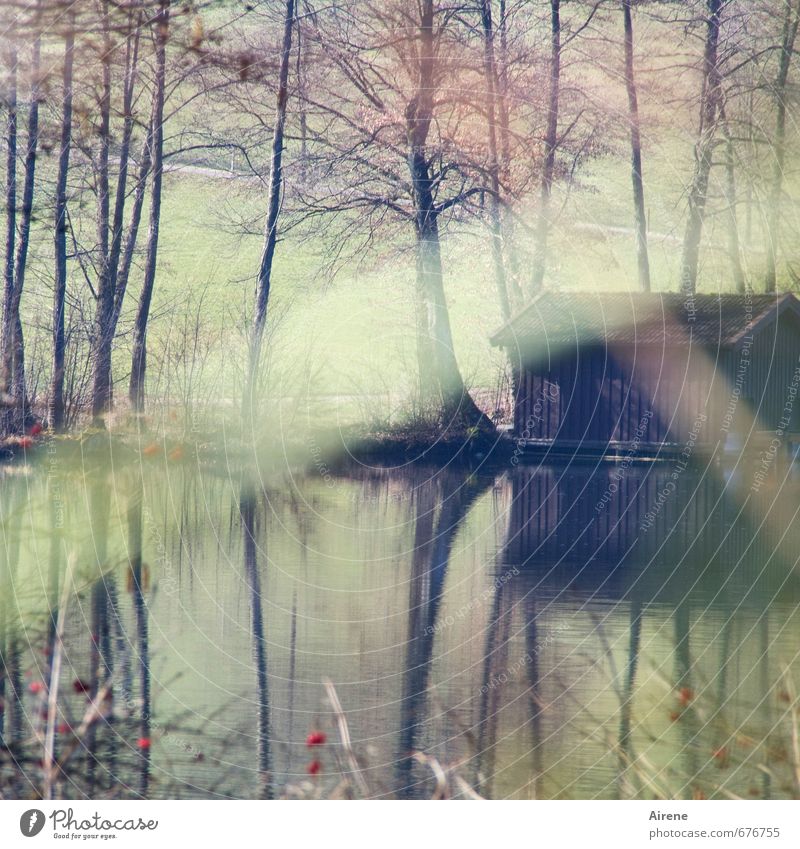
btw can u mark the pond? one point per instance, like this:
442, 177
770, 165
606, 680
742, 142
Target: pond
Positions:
574, 630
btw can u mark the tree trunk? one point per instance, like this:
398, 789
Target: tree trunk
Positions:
640, 217
495, 223
698, 192
124, 157
139, 191
441, 380
139, 358
6, 369
734, 249
418, 115
427, 255
101, 348
515, 293
751, 152
264, 280
790, 24
300, 71
441, 383
502, 88
550, 145
60, 238
26, 214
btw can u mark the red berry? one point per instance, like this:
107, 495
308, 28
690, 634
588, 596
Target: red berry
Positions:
685, 695
143, 743
316, 738
313, 768
64, 728
36, 686
80, 686
36, 429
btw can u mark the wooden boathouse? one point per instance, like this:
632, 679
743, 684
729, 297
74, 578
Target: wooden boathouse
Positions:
664, 373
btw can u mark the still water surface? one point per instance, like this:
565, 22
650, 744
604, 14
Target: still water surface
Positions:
549, 631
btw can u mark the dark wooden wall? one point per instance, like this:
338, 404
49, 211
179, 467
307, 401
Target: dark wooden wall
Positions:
608, 394
775, 357
678, 395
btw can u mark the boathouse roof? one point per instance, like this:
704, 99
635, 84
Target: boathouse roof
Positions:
643, 318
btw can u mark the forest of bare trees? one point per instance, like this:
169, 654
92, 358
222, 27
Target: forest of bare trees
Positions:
367, 128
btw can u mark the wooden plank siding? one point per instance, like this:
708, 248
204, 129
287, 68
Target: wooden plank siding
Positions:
775, 357
682, 393
727, 367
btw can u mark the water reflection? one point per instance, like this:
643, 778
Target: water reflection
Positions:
552, 631
10, 687
253, 581
137, 584
688, 554
441, 502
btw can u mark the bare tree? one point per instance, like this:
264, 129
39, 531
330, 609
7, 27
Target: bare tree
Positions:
791, 20
731, 200
109, 230
706, 135
155, 154
56, 406
391, 140
11, 217
492, 107
550, 147
264, 279
640, 216
12, 364
436, 355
